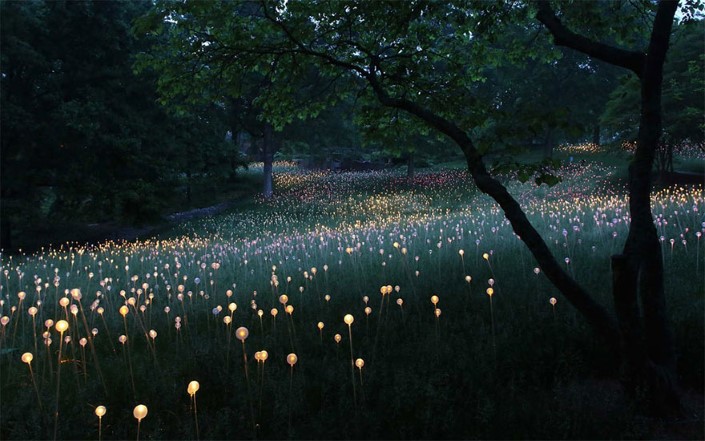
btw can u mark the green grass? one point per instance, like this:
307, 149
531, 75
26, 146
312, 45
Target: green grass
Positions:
424, 376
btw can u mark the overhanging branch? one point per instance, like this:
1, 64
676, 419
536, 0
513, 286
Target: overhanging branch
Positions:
562, 36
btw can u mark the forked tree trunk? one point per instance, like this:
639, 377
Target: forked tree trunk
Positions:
642, 247
642, 250
638, 273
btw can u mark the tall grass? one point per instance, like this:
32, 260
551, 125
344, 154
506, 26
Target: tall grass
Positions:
524, 369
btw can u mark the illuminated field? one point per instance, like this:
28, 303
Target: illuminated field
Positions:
147, 318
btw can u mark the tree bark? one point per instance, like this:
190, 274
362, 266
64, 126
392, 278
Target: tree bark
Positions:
596, 315
643, 265
410, 166
268, 159
642, 247
188, 187
548, 144
596, 134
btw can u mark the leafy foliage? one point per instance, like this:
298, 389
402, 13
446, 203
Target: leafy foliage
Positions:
83, 138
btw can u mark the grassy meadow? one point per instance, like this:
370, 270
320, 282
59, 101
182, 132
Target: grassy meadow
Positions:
455, 332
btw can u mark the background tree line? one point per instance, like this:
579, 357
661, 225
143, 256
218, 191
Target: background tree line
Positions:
87, 139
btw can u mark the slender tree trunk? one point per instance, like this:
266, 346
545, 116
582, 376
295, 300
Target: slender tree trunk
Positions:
188, 187
268, 158
410, 166
548, 144
596, 134
596, 315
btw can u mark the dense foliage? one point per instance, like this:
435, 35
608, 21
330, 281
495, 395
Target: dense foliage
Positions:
85, 140
83, 137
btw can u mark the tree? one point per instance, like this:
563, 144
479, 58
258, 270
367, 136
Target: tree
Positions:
683, 88
425, 59
638, 272
542, 101
83, 138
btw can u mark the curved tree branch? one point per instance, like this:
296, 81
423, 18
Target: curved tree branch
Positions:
595, 314
562, 36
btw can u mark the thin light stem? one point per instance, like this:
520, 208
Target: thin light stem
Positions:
36, 390
195, 414
58, 386
352, 366
291, 393
494, 342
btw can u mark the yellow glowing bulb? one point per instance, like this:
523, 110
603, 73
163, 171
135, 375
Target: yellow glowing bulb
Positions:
320, 325
62, 326
434, 300
100, 411
368, 310
359, 363
274, 312
124, 310
241, 333
283, 299
490, 291
292, 359
486, 256
140, 411
348, 319
27, 357
193, 387
437, 311
337, 338
64, 302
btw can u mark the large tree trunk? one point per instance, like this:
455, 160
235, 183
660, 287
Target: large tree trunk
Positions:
596, 315
641, 266
410, 166
642, 247
268, 158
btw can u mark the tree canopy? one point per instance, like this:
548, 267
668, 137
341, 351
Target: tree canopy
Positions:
83, 137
